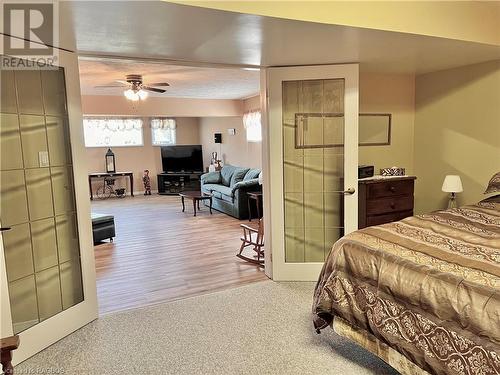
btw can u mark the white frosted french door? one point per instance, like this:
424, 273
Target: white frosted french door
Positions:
313, 146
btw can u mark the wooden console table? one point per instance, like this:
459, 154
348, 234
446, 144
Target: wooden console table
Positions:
130, 176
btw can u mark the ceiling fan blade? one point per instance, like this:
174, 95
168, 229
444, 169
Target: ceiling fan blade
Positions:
108, 86
122, 82
152, 89
158, 84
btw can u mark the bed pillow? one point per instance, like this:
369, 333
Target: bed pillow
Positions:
494, 199
238, 175
494, 184
251, 174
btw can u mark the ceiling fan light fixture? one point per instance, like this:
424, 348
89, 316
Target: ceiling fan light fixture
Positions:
142, 94
131, 95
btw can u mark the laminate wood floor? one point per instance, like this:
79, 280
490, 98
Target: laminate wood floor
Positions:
162, 254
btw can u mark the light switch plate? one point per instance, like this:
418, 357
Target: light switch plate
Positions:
43, 158
231, 131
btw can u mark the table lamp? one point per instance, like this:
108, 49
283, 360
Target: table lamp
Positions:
452, 184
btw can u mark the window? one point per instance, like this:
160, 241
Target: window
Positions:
251, 121
163, 131
112, 132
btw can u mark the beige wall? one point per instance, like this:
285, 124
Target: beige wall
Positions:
156, 106
457, 131
136, 159
395, 94
235, 149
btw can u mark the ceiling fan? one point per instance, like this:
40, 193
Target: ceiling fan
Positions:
137, 90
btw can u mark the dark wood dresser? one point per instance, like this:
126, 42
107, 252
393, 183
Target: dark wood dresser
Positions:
383, 200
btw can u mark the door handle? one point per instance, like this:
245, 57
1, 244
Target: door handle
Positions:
349, 191
5, 229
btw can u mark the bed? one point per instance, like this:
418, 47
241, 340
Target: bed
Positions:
422, 293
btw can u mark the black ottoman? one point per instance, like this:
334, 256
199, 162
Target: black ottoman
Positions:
103, 227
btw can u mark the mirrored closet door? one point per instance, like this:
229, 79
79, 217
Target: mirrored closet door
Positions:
42, 254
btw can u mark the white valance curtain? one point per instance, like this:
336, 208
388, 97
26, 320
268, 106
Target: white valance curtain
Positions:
252, 124
163, 123
163, 131
113, 123
112, 131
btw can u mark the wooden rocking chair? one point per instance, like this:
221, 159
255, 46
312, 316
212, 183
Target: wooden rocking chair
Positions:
253, 237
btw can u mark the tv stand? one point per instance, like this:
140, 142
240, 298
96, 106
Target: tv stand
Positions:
173, 183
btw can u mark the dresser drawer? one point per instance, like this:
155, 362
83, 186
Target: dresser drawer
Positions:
389, 204
389, 188
387, 218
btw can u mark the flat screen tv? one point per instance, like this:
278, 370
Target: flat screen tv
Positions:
187, 158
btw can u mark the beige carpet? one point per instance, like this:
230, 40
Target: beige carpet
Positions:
263, 328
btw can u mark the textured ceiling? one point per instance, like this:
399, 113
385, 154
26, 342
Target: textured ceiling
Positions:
185, 81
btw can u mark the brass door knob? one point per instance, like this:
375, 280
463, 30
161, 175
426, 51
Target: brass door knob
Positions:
349, 191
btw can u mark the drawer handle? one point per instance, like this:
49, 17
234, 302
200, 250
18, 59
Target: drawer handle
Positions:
393, 205
392, 189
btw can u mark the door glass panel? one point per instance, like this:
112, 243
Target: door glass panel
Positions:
29, 92
62, 187
8, 90
14, 206
57, 141
23, 303
71, 283
44, 243
42, 251
33, 138
313, 140
10, 142
17, 248
67, 238
54, 92
39, 189
48, 291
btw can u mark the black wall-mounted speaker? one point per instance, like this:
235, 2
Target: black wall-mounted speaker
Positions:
218, 137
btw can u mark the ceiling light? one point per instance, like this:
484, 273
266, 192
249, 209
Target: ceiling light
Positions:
142, 94
131, 95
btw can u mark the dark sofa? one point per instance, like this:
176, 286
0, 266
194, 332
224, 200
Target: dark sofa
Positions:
229, 188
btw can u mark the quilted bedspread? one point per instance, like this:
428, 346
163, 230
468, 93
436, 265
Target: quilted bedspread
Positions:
428, 286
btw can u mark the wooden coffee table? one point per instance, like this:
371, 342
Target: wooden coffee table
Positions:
196, 197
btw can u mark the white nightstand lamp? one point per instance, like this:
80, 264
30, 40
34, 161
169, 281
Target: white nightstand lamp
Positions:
452, 184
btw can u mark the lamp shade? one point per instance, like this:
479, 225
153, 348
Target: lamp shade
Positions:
452, 184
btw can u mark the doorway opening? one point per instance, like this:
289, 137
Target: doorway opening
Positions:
175, 178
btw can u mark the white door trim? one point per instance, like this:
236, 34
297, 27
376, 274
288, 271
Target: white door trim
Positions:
43, 334
282, 271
